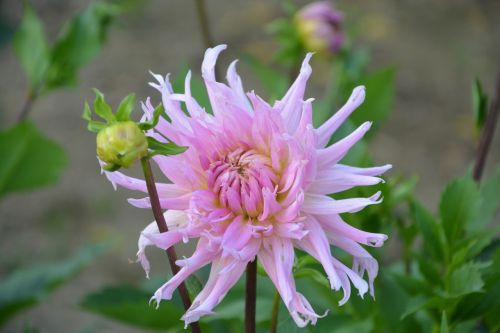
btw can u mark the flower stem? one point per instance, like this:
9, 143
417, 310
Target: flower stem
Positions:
275, 313
162, 227
251, 296
488, 132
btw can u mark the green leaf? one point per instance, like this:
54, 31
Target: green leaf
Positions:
459, 206
444, 323
193, 285
102, 108
420, 303
129, 305
125, 108
29, 159
30, 46
479, 104
466, 279
379, 97
431, 230
28, 286
490, 199
165, 149
80, 40
92, 126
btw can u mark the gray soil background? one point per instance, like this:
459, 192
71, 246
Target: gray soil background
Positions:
438, 48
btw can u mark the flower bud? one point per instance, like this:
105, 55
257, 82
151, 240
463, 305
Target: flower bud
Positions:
319, 26
121, 144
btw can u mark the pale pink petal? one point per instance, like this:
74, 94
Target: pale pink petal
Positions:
338, 150
326, 130
323, 205
333, 181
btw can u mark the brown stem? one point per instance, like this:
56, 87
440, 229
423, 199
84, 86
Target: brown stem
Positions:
201, 10
162, 227
275, 313
488, 132
28, 103
251, 297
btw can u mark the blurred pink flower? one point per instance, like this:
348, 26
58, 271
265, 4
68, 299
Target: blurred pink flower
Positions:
320, 27
255, 183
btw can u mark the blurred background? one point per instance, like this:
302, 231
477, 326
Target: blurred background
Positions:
437, 48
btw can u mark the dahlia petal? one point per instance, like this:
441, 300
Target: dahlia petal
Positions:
235, 83
200, 258
164, 190
236, 236
326, 130
291, 104
335, 224
363, 260
335, 152
209, 60
323, 205
333, 181
276, 256
175, 220
216, 288
179, 203
316, 244
271, 205
373, 171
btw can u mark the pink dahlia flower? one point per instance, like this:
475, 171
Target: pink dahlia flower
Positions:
254, 183
319, 26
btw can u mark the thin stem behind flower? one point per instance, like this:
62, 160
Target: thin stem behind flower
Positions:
275, 313
251, 296
162, 227
488, 132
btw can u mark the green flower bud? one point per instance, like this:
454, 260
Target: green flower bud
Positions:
121, 144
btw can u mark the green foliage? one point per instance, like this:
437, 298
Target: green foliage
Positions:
479, 104
129, 305
26, 287
379, 97
29, 159
458, 207
32, 50
81, 38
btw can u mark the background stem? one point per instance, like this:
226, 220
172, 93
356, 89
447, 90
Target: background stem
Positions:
162, 227
251, 296
488, 132
201, 10
275, 313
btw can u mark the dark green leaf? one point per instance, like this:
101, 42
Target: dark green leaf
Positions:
79, 42
459, 206
479, 104
166, 149
466, 279
420, 303
125, 108
29, 159
31, 48
431, 230
129, 305
28, 286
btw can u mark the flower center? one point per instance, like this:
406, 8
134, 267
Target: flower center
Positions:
240, 180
